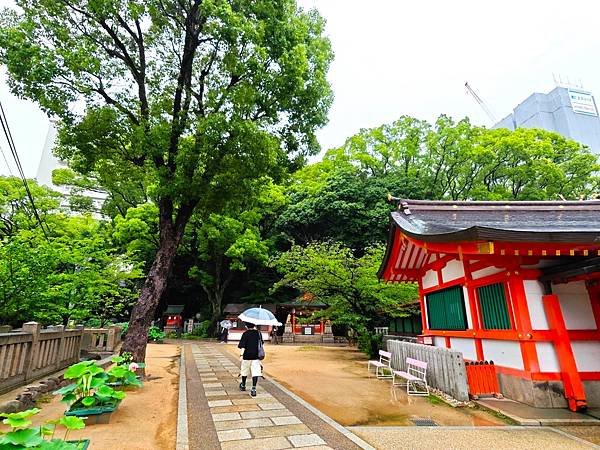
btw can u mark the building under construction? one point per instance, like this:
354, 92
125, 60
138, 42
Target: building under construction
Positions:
568, 111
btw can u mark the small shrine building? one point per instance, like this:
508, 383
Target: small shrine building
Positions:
298, 328
517, 283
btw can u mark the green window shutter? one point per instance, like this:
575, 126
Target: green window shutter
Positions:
494, 310
417, 325
446, 309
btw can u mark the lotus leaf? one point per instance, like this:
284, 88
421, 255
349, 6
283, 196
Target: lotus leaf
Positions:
71, 422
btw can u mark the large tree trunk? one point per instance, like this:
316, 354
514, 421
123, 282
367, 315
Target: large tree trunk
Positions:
143, 311
216, 300
142, 314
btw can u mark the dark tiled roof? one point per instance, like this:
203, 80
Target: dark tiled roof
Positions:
449, 221
238, 308
174, 309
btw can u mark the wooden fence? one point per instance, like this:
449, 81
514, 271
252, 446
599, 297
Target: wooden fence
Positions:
445, 367
32, 353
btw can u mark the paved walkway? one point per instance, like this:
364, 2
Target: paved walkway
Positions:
214, 414
219, 416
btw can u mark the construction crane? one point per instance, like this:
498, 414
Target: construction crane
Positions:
481, 103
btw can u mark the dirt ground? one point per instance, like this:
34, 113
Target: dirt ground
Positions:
147, 417
334, 380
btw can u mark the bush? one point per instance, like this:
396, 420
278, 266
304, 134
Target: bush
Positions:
370, 343
94, 322
155, 334
124, 327
202, 329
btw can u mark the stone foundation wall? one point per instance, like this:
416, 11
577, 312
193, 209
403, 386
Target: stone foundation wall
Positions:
592, 392
544, 394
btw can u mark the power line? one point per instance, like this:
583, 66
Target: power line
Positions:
13, 150
6, 161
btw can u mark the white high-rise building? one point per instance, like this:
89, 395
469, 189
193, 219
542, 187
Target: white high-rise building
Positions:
569, 111
49, 162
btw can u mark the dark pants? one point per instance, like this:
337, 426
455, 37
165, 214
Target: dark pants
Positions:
224, 334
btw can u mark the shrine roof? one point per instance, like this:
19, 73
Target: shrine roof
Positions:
173, 309
541, 221
238, 308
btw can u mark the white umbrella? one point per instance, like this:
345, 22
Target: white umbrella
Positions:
259, 316
226, 323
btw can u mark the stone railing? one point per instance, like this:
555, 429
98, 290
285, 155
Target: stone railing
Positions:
101, 339
33, 352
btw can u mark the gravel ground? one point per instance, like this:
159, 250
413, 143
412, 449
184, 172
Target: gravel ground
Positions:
468, 438
589, 433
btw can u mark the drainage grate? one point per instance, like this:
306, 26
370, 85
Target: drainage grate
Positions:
424, 422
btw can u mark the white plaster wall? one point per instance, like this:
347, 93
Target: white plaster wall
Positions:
575, 305
547, 357
587, 355
439, 341
533, 292
503, 353
430, 279
467, 308
485, 272
466, 346
452, 270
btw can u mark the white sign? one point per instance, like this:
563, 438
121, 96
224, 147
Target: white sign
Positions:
582, 102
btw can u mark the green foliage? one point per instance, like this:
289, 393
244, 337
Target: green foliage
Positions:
122, 376
455, 160
124, 328
155, 334
347, 284
89, 387
184, 106
22, 435
202, 329
370, 343
75, 275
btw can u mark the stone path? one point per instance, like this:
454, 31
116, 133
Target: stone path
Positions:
220, 416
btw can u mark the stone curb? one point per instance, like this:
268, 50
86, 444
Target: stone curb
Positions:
540, 422
325, 418
182, 442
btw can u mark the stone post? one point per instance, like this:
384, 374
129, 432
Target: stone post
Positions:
288, 334
60, 355
111, 340
86, 340
34, 329
328, 335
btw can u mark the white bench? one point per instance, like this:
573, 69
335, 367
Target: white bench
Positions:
383, 364
414, 377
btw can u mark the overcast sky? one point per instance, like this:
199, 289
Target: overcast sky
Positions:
396, 58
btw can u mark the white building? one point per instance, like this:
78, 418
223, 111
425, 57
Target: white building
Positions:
49, 162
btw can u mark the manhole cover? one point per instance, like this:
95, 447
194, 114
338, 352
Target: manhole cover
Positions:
424, 422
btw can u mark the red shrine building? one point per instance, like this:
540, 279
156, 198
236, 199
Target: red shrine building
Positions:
517, 283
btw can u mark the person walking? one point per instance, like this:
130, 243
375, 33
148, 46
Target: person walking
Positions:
225, 326
249, 346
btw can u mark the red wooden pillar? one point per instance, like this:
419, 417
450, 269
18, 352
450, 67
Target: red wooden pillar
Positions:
522, 322
322, 329
574, 391
293, 321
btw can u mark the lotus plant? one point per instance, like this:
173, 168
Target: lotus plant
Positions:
23, 435
89, 387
